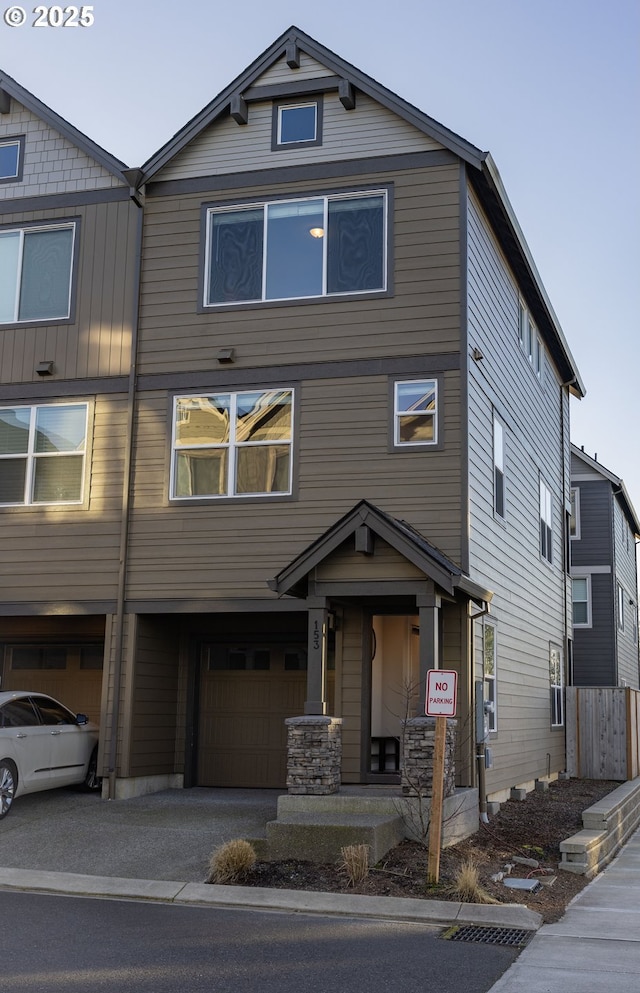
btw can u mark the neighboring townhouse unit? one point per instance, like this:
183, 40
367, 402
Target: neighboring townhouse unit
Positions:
68, 237
604, 531
349, 451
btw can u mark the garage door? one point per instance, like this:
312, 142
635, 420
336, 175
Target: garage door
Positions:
246, 693
70, 673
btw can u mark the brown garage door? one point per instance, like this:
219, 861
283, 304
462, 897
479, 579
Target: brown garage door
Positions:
70, 673
246, 693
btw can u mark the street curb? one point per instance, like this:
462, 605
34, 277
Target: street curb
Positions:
439, 913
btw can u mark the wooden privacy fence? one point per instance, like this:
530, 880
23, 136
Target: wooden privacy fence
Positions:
603, 732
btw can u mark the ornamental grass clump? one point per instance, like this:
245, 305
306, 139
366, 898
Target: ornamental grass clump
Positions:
231, 862
355, 863
467, 888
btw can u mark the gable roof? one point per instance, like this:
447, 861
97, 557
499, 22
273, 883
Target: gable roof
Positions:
482, 170
9, 88
619, 489
398, 534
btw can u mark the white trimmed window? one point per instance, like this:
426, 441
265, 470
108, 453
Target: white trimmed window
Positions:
581, 600
620, 606
42, 454
416, 412
297, 123
296, 249
36, 266
498, 468
489, 659
10, 160
574, 519
530, 340
232, 444
546, 522
556, 682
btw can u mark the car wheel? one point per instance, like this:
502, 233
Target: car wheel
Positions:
8, 785
92, 780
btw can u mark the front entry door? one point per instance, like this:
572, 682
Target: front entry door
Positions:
246, 693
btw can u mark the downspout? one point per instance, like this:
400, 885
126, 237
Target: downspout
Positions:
138, 199
480, 745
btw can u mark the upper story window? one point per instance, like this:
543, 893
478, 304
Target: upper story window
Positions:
297, 124
546, 522
11, 152
416, 412
574, 518
42, 454
581, 600
232, 444
498, 468
296, 249
530, 340
36, 265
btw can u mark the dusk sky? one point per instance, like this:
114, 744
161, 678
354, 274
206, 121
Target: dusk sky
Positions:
550, 87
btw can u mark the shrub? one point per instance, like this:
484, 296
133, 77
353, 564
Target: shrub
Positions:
355, 862
231, 862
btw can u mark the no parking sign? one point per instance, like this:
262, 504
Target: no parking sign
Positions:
442, 688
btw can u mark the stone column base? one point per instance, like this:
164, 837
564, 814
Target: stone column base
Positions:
314, 754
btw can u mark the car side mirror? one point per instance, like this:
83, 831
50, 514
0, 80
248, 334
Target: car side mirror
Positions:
82, 719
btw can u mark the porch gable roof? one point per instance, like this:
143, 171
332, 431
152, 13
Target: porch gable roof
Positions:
398, 534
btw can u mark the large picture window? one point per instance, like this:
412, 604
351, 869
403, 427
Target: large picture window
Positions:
296, 249
36, 265
42, 454
232, 444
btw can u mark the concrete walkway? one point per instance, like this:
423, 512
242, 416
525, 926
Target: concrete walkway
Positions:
596, 946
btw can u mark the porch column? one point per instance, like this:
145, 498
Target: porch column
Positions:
318, 619
429, 620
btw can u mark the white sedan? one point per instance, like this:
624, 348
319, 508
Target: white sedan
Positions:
43, 745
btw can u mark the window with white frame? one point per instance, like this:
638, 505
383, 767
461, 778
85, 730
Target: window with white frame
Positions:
297, 123
296, 249
10, 160
498, 468
416, 412
36, 265
556, 683
530, 340
489, 659
546, 522
232, 444
581, 600
620, 606
574, 519
42, 454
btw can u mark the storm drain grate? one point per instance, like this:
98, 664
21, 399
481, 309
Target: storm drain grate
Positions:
517, 937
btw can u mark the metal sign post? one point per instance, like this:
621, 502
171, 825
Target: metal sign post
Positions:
440, 703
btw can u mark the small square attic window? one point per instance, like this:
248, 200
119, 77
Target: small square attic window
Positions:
298, 124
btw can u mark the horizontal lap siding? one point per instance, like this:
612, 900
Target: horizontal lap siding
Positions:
226, 147
154, 719
529, 602
70, 553
218, 549
98, 342
422, 316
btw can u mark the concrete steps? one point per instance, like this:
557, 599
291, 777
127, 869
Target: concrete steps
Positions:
318, 836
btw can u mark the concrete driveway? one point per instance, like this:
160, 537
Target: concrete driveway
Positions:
165, 836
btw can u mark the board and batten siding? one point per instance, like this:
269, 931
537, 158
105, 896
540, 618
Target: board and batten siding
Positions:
219, 549
530, 597
52, 163
70, 552
153, 710
226, 147
97, 343
421, 316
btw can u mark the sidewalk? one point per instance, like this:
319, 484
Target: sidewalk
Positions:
596, 946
